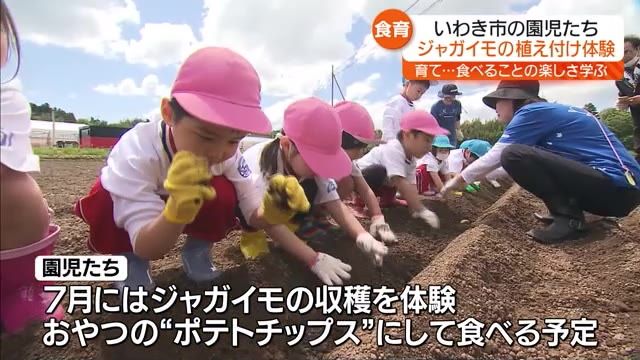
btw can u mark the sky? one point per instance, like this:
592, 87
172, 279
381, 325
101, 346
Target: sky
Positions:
115, 59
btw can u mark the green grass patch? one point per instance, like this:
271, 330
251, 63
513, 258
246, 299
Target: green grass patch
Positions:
70, 153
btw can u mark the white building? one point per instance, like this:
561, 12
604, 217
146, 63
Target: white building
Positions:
65, 134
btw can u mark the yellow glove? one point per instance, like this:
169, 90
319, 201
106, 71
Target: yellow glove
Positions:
253, 244
283, 199
188, 186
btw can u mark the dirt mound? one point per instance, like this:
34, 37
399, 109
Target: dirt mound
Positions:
500, 275
496, 271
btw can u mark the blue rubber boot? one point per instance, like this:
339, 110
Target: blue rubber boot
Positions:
196, 261
138, 274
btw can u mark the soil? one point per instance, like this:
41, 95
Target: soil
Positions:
481, 250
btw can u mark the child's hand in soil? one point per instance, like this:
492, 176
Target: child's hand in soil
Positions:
427, 216
372, 247
380, 229
329, 270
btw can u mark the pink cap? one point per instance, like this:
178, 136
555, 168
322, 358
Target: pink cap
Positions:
421, 121
357, 122
314, 127
221, 87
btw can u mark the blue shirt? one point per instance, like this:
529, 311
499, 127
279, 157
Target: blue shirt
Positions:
447, 116
573, 133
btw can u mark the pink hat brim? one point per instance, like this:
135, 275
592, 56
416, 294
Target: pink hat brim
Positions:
328, 166
218, 112
369, 141
432, 130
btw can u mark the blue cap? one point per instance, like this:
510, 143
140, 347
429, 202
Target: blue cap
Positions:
442, 141
477, 147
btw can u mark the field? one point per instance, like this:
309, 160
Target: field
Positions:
499, 274
46, 152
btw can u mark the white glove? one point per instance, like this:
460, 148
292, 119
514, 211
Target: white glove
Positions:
330, 270
379, 228
427, 216
449, 185
372, 247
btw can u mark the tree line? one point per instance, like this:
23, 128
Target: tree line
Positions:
619, 122
43, 113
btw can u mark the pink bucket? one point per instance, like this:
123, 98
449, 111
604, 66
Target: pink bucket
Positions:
22, 297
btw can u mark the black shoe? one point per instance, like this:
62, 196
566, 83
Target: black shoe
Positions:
562, 228
546, 219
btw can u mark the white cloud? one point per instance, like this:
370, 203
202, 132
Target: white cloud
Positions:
292, 63
95, 26
92, 25
370, 50
291, 48
628, 9
359, 90
603, 94
160, 45
150, 86
376, 110
275, 111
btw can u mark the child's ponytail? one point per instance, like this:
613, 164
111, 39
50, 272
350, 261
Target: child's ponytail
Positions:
269, 158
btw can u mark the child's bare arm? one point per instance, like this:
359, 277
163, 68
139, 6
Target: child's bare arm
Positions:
409, 192
344, 218
157, 238
364, 240
369, 197
435, 176
329, 270
291, 243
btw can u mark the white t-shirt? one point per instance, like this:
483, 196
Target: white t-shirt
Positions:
355, 170
433, 164
395, 108
327, 188
455, 161
391, 155
15, 127
137, 168
497, 174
